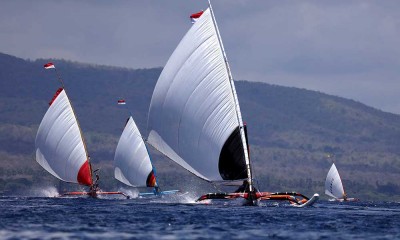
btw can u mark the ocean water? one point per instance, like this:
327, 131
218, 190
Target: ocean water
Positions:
179, 218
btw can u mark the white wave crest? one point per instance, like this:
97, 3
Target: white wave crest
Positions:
46, 192
132, 193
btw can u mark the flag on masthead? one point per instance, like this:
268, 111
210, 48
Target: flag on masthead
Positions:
121, 102
49, 65
195, 16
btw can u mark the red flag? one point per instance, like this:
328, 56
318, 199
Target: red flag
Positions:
49, 65
195, 16
121, 102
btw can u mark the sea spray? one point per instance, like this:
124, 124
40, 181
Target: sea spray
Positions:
49, 191
132, 193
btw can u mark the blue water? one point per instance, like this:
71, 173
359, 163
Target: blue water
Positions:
83, 218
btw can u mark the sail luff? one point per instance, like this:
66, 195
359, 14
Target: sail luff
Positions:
237, 106
73, 111
81, 133
344, 191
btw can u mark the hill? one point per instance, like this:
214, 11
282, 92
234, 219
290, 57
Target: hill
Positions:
291, 130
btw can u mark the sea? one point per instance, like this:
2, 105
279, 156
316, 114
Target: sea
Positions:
179, 217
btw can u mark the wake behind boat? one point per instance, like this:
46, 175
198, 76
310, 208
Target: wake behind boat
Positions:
195, 118
334, 186
60, 147
132, 161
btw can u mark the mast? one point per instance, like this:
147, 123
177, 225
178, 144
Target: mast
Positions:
79, 126
237, 107
59, 78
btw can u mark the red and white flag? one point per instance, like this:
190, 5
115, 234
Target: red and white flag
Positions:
49, 65
195, 16
121, 102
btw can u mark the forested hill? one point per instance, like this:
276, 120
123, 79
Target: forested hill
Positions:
291, 130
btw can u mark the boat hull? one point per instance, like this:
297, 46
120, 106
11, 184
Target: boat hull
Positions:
253, 199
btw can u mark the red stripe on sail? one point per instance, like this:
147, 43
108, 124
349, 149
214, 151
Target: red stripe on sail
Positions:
196, 15
84, 176
56, 95
151, 180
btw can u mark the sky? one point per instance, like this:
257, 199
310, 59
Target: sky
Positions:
346, 48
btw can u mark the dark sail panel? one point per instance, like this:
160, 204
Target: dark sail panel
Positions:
232, 165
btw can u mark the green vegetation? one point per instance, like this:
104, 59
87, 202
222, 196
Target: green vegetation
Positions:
291, 131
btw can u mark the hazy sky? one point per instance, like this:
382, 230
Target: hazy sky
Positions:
345, 48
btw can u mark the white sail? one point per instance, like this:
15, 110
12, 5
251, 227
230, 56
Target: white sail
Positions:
59, 144
193, 115
333, 184
132, 161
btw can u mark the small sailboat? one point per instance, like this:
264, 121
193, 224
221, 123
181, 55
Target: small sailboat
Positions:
334, 186
60, 147
195, 119
132, 161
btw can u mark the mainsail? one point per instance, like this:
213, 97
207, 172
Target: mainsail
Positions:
194, 116
333, 184
132, 161
59, 144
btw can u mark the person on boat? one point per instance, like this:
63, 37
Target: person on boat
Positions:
96, 182
344, 197
94, 188
156, 190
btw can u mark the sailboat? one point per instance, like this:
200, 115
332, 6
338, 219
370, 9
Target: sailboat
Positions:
132, 161
195, 119
334, 186
60, 146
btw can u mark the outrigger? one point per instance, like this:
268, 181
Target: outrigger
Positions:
253, 198
94, 190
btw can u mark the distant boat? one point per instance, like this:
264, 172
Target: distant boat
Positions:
60, 147
195, 118
132, 161
334, 186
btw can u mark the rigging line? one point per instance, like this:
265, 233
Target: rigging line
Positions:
59, 77
126, 107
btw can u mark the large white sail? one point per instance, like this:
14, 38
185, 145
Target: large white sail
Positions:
193, 115
333, 184
59, 144
132, 161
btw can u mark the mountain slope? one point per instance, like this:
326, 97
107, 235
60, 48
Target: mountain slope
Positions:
291, 130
